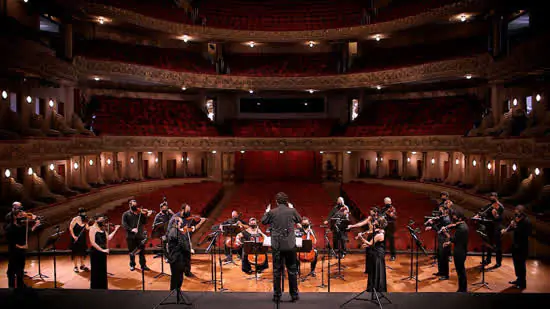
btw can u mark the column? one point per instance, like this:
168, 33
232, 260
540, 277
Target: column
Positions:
116, 172
68, 36
496, 174
346, 167
140, 165
379, 163
185, 164
129, 165
496, 102
424, 165
161, 164
99, 169
450, 177
82, 171
466, 178
404, 165
217, 166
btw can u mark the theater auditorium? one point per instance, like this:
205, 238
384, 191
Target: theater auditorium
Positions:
274, 153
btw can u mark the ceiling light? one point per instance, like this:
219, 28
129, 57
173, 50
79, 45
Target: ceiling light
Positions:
4, 94
414, 152
251, 91
538, 97
29, 99
51, 103
52, 167
75, 166
30, 171
468, 76
108, 161
7, 173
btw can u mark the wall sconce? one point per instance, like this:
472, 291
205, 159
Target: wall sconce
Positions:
214, 151
408, 159
242, 151
489, 166
29, 99
474, 163
148, 152
187, 159
52, 167
132, 160
515, 102
30, 171
182, 159
321, 152
537, 171
349, 152
538, 98
91, 162
7, 173
108, 161
514, 167
414, 152
381, 159
50, 103
156, 160
75, 166
457, 161
433, 161
376, 159
281, 151
4, 95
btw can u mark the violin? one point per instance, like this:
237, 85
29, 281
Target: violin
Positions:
308, 256
145, 211
447, 227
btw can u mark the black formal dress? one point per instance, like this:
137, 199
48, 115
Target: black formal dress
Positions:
368, 256
80, 245
390, 231
130, 220
339, 229
16, 235
98, 262
178, 253
520, 251
377, 268
460, 252
186, 254
246, 265
283, 242
493, 231
443, 253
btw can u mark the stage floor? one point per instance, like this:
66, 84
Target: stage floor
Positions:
538, 276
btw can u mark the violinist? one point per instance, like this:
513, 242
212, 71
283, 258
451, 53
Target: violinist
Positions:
178, 253
133, 221
494, 213
187, 224
377, 268
99, 239
160, 223
442, 252
390, 213
460, 241
17, 228
369, 221
305, 228
79, 245
251, 234
340, 215
521, 226
234, 220
444, 197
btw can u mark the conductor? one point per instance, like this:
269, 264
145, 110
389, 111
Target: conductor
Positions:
283, 241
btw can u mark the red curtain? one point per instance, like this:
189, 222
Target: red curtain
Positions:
273, 165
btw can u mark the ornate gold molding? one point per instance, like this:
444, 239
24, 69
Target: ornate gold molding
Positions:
36, 151
218, 34
455, 68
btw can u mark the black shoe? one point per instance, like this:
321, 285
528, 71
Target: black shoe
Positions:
75, 269
443, 278
486, 262
276, 299
295, 298
497, 265
132, 268
312, 274
515, 282
146, 268
437, 274
190, 275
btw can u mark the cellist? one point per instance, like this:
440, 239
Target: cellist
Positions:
307, 231
252, 233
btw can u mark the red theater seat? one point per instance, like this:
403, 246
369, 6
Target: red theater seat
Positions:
283, 128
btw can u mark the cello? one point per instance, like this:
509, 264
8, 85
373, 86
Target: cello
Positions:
257, 259
308, 256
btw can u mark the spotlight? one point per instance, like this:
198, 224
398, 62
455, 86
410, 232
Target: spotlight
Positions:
29, 99
538, 97
50, 103
132, 160
7, 173
474, 163
52, 167
30, 171
537, 171
75, 166
4, 94
514, 167
108, 161
91, 162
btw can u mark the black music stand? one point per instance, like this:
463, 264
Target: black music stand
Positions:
52, 240
211, 249
307, 246
231, 230
158, 231
39, 275
136, 251
411, 274
181, 299
255, 248
485, 243
419, 246
322, 285
375, 298
338, 225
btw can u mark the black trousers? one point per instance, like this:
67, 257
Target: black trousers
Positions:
16, 269
496, 242
133, 244
313, 263
247, 267
186, 262
443, 254
177, 269
229, 252
519, 256
98, 270
459, 260
339, 241
290, 261
390, 237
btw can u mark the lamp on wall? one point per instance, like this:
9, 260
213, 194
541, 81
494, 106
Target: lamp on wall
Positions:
348, 152
242, 151
538, 98
321, 152
433, 161
75, 166
514, 167
457, 161
281, 152
52, 167
537, 171
91, 162
156, 160
489, 166
51, 103
29, 99
7, 173
108, 161
408, 159
214, 151
132, 160
414, 152
474, 163
30, 171
4, 95
515, 102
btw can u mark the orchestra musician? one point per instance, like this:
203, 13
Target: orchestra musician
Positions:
79, 244
460, 241
251, 234
235, 219
305, 228
133, 221
521, 226
442, 252
340, 213
390, 213
283, 243
160, 223
377, 268
444, 196
189, 224
17, 229
493, 212
178, 253
369, 221
99, 239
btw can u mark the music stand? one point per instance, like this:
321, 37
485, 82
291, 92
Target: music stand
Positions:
323, 261
39, 275
307, 246
181, 299
255, 248
52, 239
485, 243
231, 230
338, 225
158, 231
375, 298
411, 274
211, 249
419, 246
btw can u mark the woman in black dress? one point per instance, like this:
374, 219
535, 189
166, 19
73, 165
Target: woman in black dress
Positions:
377, 264
79, 245
99, 251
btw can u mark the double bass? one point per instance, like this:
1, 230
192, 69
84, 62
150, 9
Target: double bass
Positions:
308, 256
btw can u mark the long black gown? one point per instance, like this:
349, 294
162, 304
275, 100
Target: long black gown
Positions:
98, 262
377, 268
79, 247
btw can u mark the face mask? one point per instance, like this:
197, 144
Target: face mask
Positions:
388, 205
101, 223
305, 226
517, 215
83, 215
164, 211
253, 226
133, 208
186, 214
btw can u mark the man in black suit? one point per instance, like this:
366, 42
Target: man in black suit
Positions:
283, 242
521, 226
460, 252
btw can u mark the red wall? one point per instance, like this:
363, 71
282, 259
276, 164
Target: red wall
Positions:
272, 165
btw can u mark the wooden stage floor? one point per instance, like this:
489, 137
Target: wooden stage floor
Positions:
538, 276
